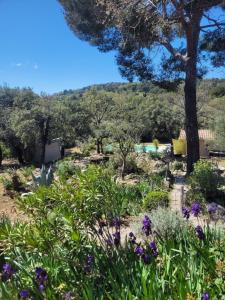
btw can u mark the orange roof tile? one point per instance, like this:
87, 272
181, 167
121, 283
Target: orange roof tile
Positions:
204, 134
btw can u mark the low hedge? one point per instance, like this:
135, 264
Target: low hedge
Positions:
155, 199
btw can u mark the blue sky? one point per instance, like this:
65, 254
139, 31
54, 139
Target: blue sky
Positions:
38, 50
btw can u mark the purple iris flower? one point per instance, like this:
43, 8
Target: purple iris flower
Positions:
195, 209
146, 258
89, 263
117, 223
186, 212
41, 287
139, 250
41, 278
147, 226
199, 232
132, 238
205, 296
116, 237
8, 271
68, 296
24, 294
154, 249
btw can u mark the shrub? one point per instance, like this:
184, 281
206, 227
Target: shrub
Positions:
115, 163
155, 199
195, 196
12, 182
87, 197
156, 182
88, 147
65, 169
27, 171
177, 166
6, 152
155, 155
218, 90
168, 224
205, 178
7, 183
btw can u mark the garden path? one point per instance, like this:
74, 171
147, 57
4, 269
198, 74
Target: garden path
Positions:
177, 194
177, 197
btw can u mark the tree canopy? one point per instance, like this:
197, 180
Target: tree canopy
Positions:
184, 33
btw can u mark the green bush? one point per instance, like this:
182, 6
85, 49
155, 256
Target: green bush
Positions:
178, 166
6, 182
205, 179
156, 182
87, 197
168, 224
195, 196
155, 199
88, 147
27, 171
6, 152
65, 169
155, 155
115, 164
12, 182
218, 90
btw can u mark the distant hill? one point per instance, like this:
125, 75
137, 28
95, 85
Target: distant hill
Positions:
144, 87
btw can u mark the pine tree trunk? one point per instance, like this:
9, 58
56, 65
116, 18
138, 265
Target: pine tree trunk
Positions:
191, 120
19, 155
191, 124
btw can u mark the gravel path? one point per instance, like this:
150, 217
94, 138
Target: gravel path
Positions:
177, 194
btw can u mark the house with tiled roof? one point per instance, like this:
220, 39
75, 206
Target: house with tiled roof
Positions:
205, 136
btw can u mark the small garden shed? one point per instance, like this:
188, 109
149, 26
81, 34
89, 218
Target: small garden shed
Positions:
53, 151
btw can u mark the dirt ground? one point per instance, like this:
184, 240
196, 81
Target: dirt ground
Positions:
8, 205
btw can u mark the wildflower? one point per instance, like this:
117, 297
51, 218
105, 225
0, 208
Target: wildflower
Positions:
41, 278
41, 287
154, 249
146, 258
147, 226
116, 237
199, 232
190, 297
195, 209
139, 250
8, 271
89, 264
186, 212
220, 266
212, 208
68, 296
205, 296
24, 294
109, 241
116, 223
132, 238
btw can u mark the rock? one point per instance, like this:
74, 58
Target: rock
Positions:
215, 210
26, 194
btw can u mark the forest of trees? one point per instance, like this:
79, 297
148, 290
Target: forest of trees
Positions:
103, 113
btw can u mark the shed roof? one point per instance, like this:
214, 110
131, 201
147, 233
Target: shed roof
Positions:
204, 134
